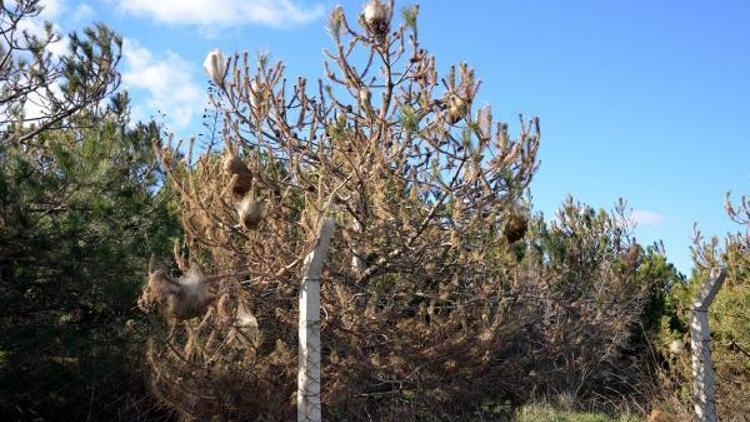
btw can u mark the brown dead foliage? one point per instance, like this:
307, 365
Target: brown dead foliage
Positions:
424, 306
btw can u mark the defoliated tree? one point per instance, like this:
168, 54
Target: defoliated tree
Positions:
420, 181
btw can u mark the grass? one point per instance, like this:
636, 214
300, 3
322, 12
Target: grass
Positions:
548, 413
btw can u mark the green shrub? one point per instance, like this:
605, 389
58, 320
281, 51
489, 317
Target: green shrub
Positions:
729, 320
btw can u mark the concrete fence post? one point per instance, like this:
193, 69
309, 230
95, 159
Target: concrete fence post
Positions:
700, 344
308, 372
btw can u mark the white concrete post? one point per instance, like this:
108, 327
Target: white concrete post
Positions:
358, 263
308, 372
700, 343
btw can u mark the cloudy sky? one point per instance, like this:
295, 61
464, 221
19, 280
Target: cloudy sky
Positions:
644, 100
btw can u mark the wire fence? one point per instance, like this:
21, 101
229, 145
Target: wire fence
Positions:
80, 372
97, 372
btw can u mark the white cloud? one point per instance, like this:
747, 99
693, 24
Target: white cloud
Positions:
37, 106
646, 218
83, 12
167, 81
51, 9
221, 13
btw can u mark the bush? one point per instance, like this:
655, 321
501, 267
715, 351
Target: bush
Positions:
596, 295
81, 212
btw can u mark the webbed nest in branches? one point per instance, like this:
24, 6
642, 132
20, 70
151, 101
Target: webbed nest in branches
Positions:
376, 17
183, 298
242, 178
250, 211
516, 224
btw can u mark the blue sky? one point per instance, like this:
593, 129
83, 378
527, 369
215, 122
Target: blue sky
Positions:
645, 100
